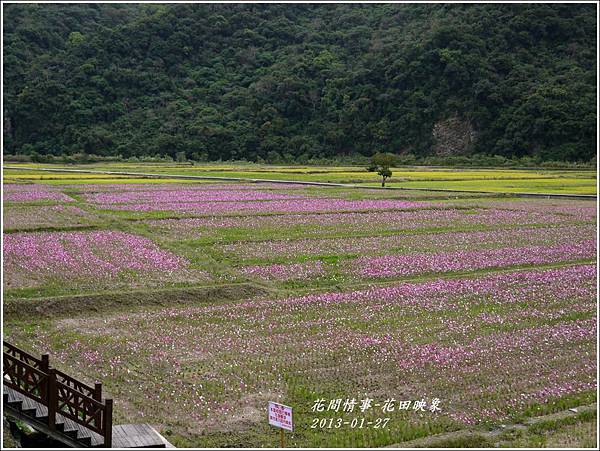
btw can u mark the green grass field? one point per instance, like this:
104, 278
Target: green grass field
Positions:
496, 180
196, 303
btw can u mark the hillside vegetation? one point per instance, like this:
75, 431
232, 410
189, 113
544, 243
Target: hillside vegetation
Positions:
296, 82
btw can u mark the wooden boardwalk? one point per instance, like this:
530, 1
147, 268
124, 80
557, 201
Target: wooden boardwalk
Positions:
36, 415
137, 436
65, 409
123, 435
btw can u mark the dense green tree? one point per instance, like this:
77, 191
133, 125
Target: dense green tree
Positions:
381, 163
298, 82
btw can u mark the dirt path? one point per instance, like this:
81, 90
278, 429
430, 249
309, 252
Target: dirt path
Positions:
496, 437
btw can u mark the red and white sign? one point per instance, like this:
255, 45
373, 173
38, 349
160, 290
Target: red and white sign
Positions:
280, 416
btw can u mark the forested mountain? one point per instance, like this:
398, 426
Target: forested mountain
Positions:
297, 81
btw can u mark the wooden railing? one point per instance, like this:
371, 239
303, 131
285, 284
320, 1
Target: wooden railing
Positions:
59, 392
25, 378
23, 356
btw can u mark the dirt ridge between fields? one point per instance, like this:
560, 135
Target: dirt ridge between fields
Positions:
19, 308
84, 304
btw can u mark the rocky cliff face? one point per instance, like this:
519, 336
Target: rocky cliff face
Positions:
453, 136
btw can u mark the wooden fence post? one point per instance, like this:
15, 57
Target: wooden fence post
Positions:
44, 366
98, 397
45, 363
108, 423
52, 399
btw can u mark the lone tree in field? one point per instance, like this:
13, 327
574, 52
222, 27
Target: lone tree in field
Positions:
381, 163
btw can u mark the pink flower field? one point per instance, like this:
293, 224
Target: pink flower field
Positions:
196, 304
183, 195
407, 341
32, 193
25, 217
366, 221
404, 265
433, 242
88, 258
200, 186
272, 206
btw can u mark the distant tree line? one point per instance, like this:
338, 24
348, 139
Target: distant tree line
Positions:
299, 83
